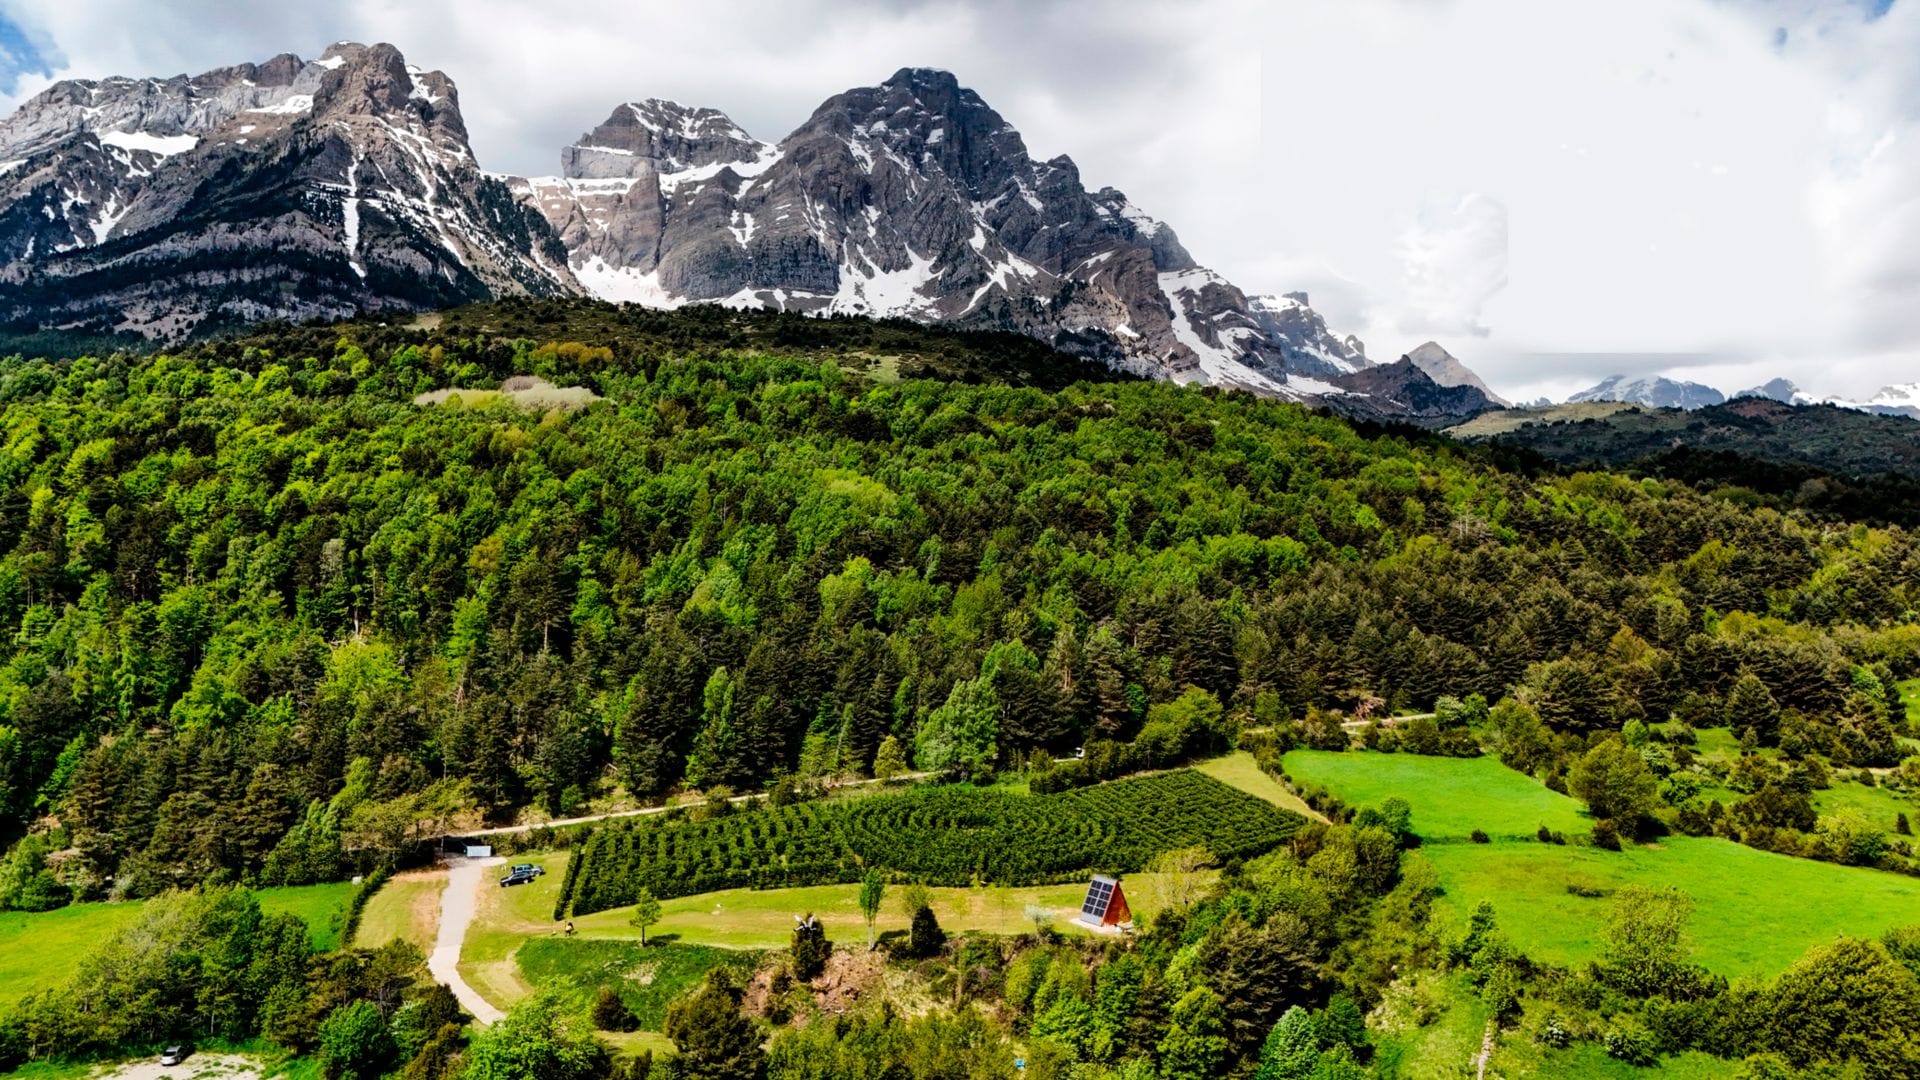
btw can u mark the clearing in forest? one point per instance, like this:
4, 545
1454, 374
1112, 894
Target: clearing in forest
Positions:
1450, 797
1755, 912
42, 949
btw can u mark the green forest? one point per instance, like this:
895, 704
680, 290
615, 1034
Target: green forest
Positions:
290, 607
267, 616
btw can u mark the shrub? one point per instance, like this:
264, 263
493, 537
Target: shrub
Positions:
809, 950
925, 938
1636, 1048
1583, 887
1479, 836
1606, 834
610, 1011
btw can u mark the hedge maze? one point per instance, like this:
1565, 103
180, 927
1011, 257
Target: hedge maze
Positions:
938, 835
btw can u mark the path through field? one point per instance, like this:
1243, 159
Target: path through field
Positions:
457, 903
558, 823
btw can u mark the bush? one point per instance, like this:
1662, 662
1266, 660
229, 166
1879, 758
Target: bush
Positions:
925, 938
1636, 1048
610, 1011
354, 1042
951, 836
1479, 836
809, 950
1606, 834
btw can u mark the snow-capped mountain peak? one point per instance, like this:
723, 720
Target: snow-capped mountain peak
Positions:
1653, 392
913, 198
290, 189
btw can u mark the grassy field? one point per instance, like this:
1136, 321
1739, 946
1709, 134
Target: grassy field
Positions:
1451, 797
1755, 912
496, 959
406, 907
1882, 807
1910, 694
504, 920
41, 949
322, 906
648, 978
1239, 770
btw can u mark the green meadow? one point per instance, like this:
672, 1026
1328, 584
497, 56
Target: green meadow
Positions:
40, 949
1754, 912
1451, 797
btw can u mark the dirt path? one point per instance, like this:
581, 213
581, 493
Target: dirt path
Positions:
507, 830
196, 1067
457, 903
1385, 721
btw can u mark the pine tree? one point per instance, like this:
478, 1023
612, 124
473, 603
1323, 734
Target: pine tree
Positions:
715, 758
1291, 1048
716, 1041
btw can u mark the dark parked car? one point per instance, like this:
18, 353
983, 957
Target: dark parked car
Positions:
174, 1055
518, 877
528, 868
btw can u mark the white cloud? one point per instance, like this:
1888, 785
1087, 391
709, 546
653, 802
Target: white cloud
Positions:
1675, 177
1454, 259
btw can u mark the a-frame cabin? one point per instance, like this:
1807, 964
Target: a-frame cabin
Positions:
1106, 905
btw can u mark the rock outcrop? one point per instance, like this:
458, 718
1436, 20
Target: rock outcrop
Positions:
290, 189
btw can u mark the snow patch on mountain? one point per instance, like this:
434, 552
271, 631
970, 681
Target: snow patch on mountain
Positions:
1653, 392
157, 145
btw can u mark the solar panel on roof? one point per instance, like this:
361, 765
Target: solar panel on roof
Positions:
1099, 898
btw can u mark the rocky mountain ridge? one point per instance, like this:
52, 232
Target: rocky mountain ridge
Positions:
915, 199
1445, 369
301, 189
1652, 391
291, 189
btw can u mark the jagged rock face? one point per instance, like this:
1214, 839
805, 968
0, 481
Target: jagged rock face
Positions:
1442, 367
1404, 392
1656, 392
915, 199
289, 189
300, 189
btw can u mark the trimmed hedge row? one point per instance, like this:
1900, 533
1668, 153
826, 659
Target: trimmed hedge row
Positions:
940, 836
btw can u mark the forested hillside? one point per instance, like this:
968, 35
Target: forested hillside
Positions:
263, 611
1825, 459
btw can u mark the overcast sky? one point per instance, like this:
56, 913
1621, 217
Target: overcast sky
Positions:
1727, 190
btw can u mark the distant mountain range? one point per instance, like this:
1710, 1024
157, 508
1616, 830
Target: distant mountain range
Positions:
159, 209
1657, 392
151, 210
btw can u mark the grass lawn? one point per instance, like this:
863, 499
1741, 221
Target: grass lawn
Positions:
1239, 770
1451, 797
648, 978
1754, 911
1882, 807
508, 920
1910, 694
322, 906
406, 907
41, 949
504, 920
